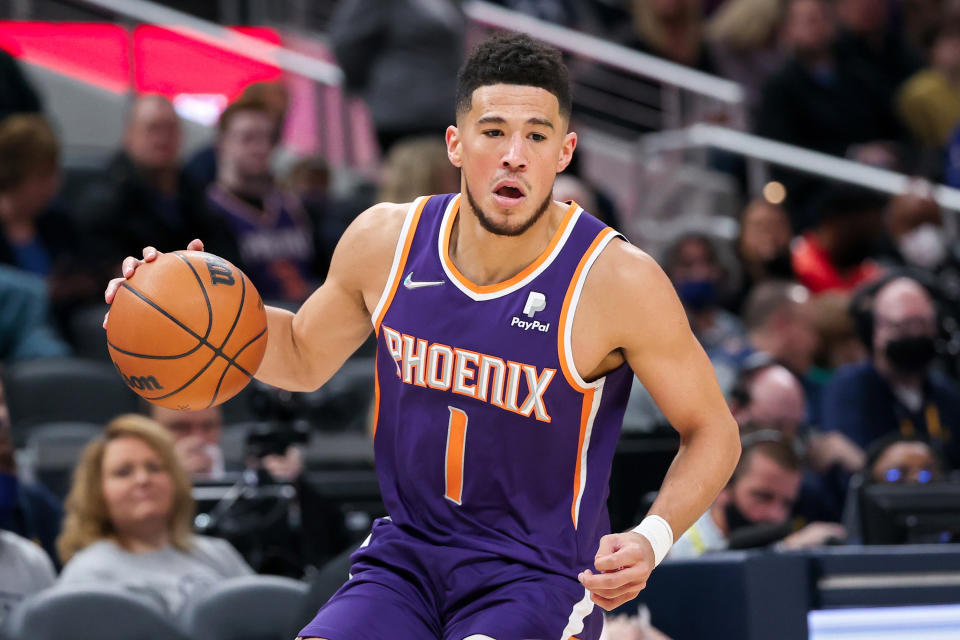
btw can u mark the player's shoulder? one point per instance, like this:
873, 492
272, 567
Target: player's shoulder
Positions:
622, 268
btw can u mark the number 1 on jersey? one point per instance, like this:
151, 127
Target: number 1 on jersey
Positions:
456, 437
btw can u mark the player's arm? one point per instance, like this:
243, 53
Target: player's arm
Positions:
636, 309
305, 349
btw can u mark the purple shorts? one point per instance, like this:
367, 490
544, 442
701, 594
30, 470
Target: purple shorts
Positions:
403, 588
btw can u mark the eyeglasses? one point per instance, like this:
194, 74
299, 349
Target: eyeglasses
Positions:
899, 475
915, 324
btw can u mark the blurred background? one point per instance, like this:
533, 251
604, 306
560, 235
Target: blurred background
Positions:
792, 164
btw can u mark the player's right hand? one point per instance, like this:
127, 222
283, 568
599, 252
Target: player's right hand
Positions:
129, 266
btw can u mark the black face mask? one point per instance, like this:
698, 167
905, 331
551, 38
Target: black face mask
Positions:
911, 354
735, 518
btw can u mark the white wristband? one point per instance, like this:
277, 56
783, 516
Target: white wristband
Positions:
659, 533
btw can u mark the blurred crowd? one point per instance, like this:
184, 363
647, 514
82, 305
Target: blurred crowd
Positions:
832, 319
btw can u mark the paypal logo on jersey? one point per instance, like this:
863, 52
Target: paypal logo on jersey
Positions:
536, 301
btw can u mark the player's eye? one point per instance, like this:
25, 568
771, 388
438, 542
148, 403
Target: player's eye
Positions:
537, 137
493, 133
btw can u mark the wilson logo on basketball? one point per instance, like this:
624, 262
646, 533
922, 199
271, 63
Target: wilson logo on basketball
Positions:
220, 272
142, 382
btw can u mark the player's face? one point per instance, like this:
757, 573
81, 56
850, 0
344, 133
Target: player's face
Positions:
510, 146
137, 486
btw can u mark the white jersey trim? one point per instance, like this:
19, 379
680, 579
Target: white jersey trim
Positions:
588, 431
572, 313
397, 258
480, 297
581, 610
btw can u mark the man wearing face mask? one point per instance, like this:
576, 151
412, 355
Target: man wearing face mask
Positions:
756, 506
897, 389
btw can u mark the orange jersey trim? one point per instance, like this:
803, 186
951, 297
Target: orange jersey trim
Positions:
586, 410
398, 276
447, 231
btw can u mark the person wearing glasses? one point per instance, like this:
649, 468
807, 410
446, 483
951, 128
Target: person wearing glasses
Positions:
898, 389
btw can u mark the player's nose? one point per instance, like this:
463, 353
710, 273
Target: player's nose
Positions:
514, 157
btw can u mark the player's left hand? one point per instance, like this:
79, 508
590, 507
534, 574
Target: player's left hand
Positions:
624, 562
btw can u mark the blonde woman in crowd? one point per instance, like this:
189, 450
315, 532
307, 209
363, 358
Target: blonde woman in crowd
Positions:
129, 515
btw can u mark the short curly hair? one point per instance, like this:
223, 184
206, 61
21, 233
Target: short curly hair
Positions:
514, 58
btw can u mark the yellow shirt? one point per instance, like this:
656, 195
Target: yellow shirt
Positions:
930, 106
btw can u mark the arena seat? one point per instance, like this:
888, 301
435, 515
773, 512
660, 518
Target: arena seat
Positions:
87, 336
64, 389
247, 608
89, 613
53, 449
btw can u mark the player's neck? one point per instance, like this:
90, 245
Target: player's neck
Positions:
486, 258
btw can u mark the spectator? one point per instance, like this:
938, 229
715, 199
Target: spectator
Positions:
835, 254
839, 344
144, 200
35, 235
27, 509
201, 169
929, 100
25, 328
129, 518
264, 231
868, 37
755, 507
903, 460
402, 57
824, 101
763, 246
693, 264
196, 440
769, 397
893, 459
24, 570
779, 323
16, 94
672, 29
309, 179
920, 240
896, 390
417, 166
743, 35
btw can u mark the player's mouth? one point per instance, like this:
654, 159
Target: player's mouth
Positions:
508, 193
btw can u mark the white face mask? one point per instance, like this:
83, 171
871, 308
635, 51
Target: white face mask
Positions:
924, 247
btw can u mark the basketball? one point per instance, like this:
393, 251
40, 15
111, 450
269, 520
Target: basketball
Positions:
187, 331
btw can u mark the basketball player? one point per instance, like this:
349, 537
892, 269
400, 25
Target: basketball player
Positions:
509, 328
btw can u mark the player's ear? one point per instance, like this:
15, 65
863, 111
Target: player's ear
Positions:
566, 151
454, 147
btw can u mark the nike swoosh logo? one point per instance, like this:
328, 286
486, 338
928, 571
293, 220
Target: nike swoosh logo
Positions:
410, 283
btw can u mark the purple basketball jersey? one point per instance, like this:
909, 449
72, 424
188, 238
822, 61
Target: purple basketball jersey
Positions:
486, 436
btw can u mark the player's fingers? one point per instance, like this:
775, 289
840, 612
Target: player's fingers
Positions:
608, 544
632, 587
609, 604
613, 580
129, 265
111, 291
626, 556
150, 254
195, 245
105, 316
